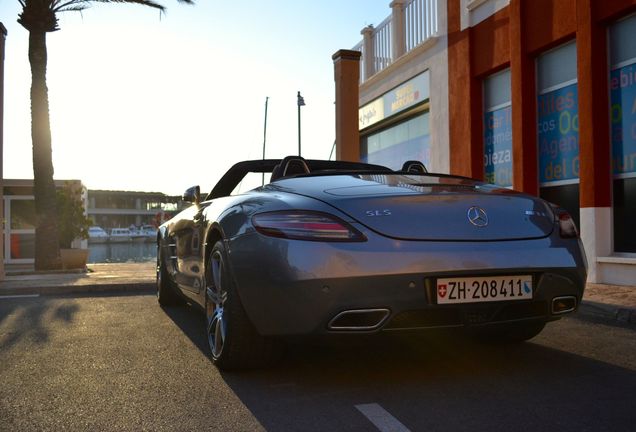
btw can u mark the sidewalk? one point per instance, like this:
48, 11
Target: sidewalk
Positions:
609, 302
99, 278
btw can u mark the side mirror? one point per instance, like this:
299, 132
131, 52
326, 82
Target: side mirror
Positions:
192, 195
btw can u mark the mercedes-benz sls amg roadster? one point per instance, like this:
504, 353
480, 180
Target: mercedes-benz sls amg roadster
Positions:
327, 247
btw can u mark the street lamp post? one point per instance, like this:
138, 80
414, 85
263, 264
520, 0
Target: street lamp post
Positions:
300, 102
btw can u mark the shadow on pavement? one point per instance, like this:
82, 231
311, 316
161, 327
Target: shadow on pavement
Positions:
440, 381
31, 320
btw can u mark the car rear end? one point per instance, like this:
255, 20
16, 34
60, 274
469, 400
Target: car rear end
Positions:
393, 252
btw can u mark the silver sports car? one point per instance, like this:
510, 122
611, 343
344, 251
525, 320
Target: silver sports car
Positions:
330, 247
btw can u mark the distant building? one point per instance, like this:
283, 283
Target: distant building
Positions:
108, 209
20, 219
115, 209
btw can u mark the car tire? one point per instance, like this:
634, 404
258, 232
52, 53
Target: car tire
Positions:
233, 340
509, 333
166, 290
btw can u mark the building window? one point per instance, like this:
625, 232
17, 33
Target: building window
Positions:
498, 129
623, 131
394, 145
558, 128
20, 220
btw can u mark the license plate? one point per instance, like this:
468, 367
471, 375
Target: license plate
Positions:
483, 289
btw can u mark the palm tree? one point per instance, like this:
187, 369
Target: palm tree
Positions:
40, 17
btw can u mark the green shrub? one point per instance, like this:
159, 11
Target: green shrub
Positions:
72, 222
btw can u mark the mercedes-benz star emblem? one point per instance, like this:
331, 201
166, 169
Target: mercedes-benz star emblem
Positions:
477, 216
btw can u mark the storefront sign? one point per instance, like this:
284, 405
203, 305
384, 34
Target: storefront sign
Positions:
371, 113
623, 114
558, 132
399, 99
498, 147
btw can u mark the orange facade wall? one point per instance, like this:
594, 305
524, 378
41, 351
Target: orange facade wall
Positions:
548, 22
459, 89
493, 32
514, 37
610, 10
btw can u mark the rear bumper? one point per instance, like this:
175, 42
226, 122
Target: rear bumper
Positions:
297, 287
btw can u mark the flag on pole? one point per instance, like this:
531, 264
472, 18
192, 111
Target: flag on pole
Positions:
301, 100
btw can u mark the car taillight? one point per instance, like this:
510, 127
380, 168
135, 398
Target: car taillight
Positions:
306, 225
567, 227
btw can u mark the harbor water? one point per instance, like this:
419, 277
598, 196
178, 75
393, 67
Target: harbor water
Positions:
122, 252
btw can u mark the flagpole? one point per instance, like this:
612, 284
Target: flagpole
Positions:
300, 101
264, 139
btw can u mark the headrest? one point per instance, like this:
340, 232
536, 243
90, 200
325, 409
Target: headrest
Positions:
414, 167
291, 165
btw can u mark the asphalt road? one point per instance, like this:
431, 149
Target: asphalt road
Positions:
123, 363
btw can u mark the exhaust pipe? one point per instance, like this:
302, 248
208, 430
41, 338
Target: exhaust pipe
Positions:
562, 305
359, 319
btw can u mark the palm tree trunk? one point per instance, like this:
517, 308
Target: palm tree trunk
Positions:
47, 250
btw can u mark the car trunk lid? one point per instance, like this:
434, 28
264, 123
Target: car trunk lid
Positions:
438, 208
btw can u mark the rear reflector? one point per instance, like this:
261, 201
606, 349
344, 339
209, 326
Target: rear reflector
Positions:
567, 227
306, 225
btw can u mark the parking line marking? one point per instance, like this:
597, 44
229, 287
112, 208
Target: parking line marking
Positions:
381, 418
20, 296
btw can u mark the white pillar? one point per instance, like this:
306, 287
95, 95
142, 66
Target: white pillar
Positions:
398, 28
596, 235
369, 54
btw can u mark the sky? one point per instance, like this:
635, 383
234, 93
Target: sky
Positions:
148, 102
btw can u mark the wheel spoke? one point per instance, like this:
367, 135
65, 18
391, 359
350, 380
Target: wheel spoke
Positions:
215, 299
216, 332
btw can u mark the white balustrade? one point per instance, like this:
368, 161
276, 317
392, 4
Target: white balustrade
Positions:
419, 19
382, 45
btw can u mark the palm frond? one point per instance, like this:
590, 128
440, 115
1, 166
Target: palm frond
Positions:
63, 5
148, 3
41, 14
73, 9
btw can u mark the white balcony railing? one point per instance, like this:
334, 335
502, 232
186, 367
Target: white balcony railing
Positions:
421, 22
411, 23
382, 53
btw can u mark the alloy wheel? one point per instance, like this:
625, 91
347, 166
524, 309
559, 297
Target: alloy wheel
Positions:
215, 300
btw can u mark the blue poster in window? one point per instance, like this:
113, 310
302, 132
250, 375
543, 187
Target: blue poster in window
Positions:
623, 115
558, 133
498, 147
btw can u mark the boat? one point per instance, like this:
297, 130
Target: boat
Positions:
120, 235
97, 234
137, 235
149, 233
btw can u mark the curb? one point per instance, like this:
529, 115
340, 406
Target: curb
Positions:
607, 312
79, 289
587, 309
